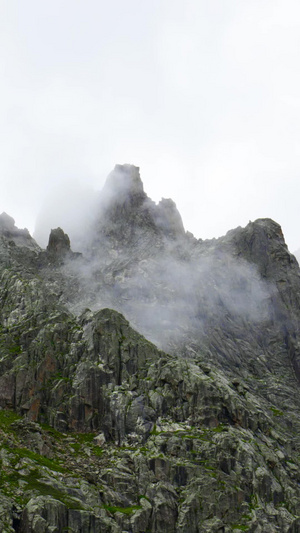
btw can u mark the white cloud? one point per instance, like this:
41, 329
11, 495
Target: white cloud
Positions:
203, 96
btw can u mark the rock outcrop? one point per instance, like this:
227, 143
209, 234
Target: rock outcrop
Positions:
100, 430
59, 243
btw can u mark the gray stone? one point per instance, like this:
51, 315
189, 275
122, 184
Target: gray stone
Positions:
117, 435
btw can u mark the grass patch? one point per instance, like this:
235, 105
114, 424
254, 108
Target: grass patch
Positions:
7, 418
125, 510
85, 438
40, 459
96, 450
143, 497
15, 349
33, 484
10, 485
53, 432
276, 412
219, 429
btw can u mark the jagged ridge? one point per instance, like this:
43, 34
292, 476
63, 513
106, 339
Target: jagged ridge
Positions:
203, 439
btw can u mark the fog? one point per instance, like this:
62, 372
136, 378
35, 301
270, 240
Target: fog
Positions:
166, 297
70, 206
137, 259
203, 96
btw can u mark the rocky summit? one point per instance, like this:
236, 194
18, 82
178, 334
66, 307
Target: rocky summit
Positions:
149, 382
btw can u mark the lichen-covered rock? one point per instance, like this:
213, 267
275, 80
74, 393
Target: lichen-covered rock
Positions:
102, 431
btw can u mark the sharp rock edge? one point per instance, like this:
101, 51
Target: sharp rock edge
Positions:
149, 381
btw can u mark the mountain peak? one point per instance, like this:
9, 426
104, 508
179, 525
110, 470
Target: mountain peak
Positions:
20, 237
123, 183
7, 223
127, 213
220, 410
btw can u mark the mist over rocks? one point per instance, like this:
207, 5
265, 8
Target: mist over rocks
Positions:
16, 236
138, 259
80, 212
71, 206
123, 184
102, 430
124, 188
127, 215
7, 223
175, 289
168, 218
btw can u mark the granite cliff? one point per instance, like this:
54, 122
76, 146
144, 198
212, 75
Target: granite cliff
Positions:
149, 383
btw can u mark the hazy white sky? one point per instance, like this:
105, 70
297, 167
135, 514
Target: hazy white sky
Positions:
203, 96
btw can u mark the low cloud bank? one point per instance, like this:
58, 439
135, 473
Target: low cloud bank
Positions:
138, 259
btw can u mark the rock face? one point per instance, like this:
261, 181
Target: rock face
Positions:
14, 235
102, 431
59, 243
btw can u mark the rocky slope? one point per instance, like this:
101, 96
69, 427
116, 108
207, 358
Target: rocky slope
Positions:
100, 430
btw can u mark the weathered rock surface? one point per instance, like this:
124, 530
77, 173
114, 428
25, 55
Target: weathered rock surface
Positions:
59, 242
100, 430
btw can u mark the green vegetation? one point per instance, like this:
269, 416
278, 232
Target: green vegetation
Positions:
54, 432
7, 418
33, 484
20, 453
15, 349
219, 429
85, 438
276, 412
124, 510
215, 451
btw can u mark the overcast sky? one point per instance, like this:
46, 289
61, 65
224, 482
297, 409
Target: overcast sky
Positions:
203, 96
